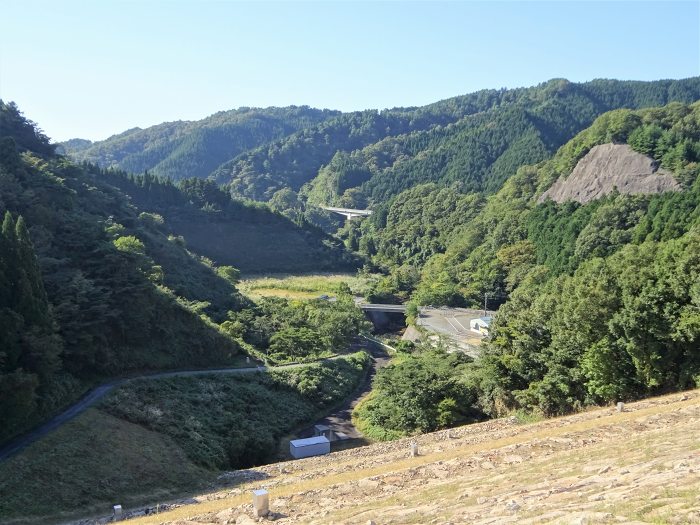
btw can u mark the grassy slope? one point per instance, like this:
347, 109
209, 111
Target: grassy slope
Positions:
599, 466
91, 463
148, 440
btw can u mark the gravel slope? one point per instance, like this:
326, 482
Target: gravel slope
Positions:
638, 466
611, 166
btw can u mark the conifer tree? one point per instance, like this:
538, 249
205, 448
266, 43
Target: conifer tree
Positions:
33, 304
4, 268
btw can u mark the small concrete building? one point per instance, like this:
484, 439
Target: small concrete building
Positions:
313, 446
324, 430
481, 325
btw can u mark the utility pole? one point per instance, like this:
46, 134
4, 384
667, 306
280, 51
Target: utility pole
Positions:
485, 300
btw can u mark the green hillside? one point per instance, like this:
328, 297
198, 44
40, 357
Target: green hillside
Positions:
98, 280
246, 235
300, 157
181, 149
292, 161
88, 288
512, 227
599, 301
484, 148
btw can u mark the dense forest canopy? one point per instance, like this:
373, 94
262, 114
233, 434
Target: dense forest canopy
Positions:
467, 244
180, 150
86, 285
243, 234
472, 142
599, 300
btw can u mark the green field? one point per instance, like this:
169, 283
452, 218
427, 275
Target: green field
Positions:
301, 286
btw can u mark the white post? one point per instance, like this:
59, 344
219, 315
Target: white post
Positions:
261, 503
117, 512
414, 449
620, 407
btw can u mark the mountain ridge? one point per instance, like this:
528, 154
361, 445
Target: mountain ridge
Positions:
159, 148
473, 142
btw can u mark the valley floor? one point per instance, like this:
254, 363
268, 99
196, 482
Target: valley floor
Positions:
601, 466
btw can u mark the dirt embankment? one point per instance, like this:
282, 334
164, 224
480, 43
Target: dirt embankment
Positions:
611, 166
641, 465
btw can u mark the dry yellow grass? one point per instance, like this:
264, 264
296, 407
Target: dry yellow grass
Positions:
300, 286
561, 452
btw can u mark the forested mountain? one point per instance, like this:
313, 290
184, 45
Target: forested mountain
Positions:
246, 235
605, 303
481, 150
600, 301
180, 150
471, 143
466, 244
292, 161
88, 287
460, 214
96, 283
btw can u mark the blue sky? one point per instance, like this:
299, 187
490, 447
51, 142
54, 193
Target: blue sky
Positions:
94, 68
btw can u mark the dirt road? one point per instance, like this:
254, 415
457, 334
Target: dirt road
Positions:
341, 419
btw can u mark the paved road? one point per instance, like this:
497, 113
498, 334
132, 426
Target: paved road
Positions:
454, 323
97, 393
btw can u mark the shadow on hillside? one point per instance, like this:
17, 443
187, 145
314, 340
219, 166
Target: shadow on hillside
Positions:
237, 477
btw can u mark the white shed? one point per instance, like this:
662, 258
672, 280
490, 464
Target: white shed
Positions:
480, 325
313, 446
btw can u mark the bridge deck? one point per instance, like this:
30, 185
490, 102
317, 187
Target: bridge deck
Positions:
383, 307
348, 212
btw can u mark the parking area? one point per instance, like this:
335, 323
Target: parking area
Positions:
454, 323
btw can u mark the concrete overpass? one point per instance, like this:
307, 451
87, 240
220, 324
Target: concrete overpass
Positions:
388, 308
348, 213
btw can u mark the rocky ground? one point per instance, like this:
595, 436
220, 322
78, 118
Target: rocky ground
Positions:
641, 465
610, 166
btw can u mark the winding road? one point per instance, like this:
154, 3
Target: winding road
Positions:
97, 393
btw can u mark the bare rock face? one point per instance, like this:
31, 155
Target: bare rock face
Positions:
608, 166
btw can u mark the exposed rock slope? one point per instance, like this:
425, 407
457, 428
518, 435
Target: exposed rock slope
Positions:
608, 166
638, 466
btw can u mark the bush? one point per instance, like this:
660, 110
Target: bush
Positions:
245, 416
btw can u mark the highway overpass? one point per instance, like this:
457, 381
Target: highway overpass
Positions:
389, 308
348, 213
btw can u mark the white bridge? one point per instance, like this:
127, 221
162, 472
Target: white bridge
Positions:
388, 308
349, 213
